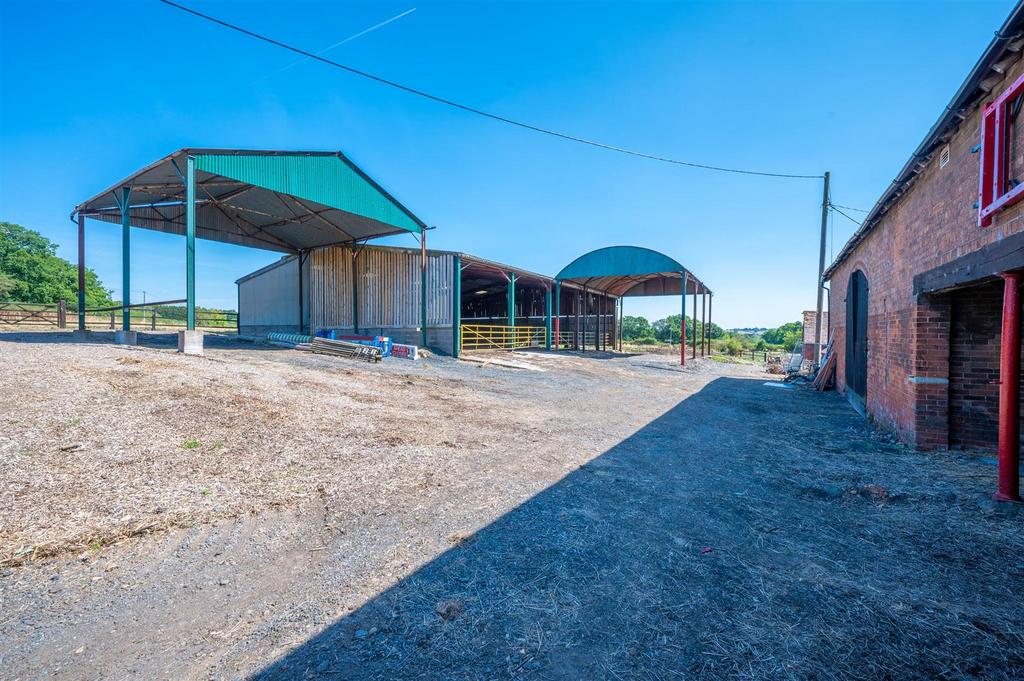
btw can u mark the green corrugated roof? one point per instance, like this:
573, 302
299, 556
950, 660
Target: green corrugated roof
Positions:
328, 180
629, 271
619, 261
278, 200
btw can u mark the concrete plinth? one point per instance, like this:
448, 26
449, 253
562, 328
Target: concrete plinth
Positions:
81, 335
126, 338
190, 342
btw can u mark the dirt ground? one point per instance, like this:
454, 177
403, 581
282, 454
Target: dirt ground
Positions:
266, 513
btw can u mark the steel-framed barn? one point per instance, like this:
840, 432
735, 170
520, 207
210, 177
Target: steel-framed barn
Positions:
287, 201
607, 275
471, 303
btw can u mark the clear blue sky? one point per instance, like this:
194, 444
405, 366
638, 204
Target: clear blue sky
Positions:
93, 91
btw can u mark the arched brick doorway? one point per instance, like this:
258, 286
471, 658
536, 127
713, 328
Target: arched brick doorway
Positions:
857, 340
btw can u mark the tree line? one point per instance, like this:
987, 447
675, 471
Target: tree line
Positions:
640, 330
32, 272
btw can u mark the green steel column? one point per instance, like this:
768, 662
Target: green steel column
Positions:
81, 272
511, 298
423, 288
558, 315
457, 306
126, 255
547, 318
190, 243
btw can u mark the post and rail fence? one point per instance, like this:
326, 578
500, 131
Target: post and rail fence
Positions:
166, 315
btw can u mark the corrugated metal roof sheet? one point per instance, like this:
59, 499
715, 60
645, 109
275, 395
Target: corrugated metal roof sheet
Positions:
629, 271
283, 201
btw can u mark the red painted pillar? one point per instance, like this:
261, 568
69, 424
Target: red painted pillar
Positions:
1009, 392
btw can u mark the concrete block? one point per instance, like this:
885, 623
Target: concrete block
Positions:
126, 337
190, 342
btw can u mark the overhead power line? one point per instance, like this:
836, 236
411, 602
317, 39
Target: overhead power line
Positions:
473, 110
859, 210
835, 208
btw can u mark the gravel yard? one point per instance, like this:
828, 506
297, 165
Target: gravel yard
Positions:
261, 511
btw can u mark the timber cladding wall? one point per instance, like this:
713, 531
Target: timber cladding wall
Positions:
387, 284
933, 223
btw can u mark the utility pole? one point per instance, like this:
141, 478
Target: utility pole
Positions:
821, 269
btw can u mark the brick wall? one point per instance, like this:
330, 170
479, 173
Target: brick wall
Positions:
974, 366
809, 318
933, 223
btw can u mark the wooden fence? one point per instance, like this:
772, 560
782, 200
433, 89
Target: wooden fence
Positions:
161, 316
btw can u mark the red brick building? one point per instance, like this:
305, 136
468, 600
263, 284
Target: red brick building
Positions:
917, 295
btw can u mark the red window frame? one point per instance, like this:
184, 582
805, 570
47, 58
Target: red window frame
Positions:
993, 194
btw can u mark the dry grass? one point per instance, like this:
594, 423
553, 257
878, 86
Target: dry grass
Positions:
101, 443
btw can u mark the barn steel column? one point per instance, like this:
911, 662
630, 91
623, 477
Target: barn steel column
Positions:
558, 314
423, 287
1009, 392
547, 318
511, 297
576, 326
302, 293
456, 306
694, 348
81, 272
711, 325
126, 257
682, 322
586, 318
618, 327
190, 243
703, 316
608, 324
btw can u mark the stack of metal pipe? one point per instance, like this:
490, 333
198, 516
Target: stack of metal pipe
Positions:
337, 348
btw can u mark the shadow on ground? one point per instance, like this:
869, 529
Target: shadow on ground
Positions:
780, 539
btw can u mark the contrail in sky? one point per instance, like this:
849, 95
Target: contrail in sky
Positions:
346, 40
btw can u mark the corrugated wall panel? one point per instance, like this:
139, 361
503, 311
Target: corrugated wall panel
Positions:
272, 298
389, 288
330, 275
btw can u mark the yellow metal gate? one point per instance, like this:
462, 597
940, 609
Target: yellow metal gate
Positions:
497, 337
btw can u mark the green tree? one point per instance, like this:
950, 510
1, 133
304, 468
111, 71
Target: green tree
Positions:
636, 327
786, 335
32, 272
667, 330
7, 284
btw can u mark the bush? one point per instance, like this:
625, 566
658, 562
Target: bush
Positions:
646, 340
731, 346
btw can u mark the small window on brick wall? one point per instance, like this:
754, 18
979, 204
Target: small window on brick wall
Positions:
944, 157
1001, 180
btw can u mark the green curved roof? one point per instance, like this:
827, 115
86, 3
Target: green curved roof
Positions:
629, 271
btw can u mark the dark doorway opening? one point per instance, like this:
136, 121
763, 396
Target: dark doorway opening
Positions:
857, 340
